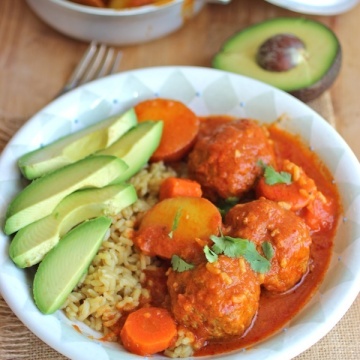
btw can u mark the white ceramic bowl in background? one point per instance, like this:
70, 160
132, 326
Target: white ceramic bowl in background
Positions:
117, 27
322, 7
205, 91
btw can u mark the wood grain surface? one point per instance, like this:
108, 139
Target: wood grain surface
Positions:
35, 62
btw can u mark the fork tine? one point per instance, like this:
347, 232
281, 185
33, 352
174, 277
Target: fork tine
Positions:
110, 63
98, 61
80, 69
107, 60
116, 63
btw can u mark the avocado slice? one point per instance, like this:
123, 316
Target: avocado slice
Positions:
307, 65
35, 240
63, 267
136, 146
76, 146
39, 199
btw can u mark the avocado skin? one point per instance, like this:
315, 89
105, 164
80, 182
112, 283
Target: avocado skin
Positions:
76, 146
34, 241
312, 92
306, 81
136, 146
63, 267
39, 199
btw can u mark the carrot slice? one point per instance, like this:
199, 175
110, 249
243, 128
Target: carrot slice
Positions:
148, 330
181, 127
175, 187
284, 193
296, 195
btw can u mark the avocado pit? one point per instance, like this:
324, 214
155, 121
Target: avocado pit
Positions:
281, 52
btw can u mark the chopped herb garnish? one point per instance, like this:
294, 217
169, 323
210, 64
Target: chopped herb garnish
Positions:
268, 250
175, 223
273, 177
257, 262
225, 205
180, 265
211, 256
237, 247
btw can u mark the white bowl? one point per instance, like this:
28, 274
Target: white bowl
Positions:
117, 27
324, 7
206, 91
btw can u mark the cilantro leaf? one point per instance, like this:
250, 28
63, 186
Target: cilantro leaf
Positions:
237, 247
225, 205
257, 262
175, 223
268, 250
180, 265
219, 244
210, 255
273, 177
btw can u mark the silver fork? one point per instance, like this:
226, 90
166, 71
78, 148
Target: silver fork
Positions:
99, 60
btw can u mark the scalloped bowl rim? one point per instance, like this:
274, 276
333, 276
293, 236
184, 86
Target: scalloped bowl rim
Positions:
200, 88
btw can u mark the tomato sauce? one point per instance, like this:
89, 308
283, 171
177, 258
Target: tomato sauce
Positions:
276, 310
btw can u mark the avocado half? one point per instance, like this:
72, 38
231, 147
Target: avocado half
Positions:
298, 55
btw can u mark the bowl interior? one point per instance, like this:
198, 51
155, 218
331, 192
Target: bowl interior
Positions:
206, 91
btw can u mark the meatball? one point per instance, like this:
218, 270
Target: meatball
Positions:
264, 220
217, 299
225, 161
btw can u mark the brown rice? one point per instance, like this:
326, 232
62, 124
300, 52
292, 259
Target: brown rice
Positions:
113, 281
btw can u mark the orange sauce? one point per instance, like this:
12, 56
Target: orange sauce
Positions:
276, 310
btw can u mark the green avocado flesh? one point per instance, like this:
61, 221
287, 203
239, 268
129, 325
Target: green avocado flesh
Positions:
63, 267
76, 146
35, 240
136, 146
323, 50
39, 199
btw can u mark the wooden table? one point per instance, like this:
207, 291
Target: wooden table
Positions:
35, 62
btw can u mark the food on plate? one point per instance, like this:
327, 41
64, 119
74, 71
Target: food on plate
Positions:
298, 55
76, 146
175, 187
187, 221
136, 146
230, 235
215, 300
264, 220
118, 4
225, 162
148, 331
297, 189
39, 198
31, 243
319, 213
63, 266
181, 127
